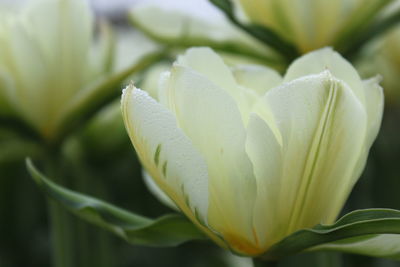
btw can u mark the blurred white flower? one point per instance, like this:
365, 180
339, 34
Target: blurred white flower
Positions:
47, 58
196, 23
313, 24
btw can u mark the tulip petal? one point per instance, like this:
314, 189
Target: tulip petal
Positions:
374, 106
323, 128
272, 14
256, 77
211, 119
151, 80
312, 24
166, 153
65, 41
22, 60
207, 63
265, 153
46, 50
374, 111
327, 59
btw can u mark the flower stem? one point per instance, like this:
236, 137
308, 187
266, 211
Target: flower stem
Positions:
95, 245
62, 244
74, 243
60, 220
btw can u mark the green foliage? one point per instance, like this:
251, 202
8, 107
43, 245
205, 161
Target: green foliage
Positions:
356, 226
168, 230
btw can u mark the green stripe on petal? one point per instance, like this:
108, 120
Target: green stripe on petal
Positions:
323, 129
327, 59
156, 138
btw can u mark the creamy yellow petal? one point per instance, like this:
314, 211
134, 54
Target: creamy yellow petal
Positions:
327, 59
163, 88
374, 111
46, 51
212, 121
22, 60
256, 77
63, 31
323, 127
374, 102
270, 13
166, 153
207, 63
151, 80
312, 24
265, 154
324, 21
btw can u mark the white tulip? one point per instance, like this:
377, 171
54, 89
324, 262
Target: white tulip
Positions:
46, 58
251, 157
313, 24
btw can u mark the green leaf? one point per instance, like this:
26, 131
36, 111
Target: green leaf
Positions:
168, 230
262, 33
373, 232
